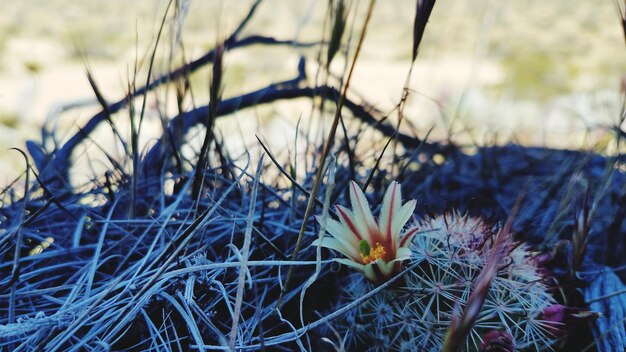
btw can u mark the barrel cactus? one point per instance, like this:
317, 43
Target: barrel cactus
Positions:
447, 254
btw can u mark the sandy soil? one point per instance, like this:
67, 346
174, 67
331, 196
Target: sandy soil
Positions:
536, 73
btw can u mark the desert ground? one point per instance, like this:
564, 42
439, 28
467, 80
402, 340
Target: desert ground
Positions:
489, 72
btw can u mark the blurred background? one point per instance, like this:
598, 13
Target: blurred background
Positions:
540, 73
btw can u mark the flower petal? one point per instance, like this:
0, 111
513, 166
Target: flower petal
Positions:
400, 219
391, 204
342, 233
333, 243
402, 254
385, 268
363, 218
371, 273
407, 238
378, 271
346, 217
350, 263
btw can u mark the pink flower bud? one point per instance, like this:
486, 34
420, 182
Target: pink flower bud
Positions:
497, 341
558, 318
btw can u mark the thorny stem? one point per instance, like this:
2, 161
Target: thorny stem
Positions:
462, 324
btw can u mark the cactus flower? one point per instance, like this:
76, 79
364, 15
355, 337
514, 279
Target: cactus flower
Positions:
376, 247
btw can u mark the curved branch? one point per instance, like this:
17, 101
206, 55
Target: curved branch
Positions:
282, 91
58, 165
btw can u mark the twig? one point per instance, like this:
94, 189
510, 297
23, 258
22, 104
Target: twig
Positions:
56, 170
375, 167
214, 102
282, 170
245, 255
330, 185
326, 151
280, 91
15, 271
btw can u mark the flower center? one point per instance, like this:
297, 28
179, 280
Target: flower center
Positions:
369, 254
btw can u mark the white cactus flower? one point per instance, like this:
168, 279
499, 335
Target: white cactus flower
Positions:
376, 247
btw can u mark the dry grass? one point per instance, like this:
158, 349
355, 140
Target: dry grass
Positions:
174, 242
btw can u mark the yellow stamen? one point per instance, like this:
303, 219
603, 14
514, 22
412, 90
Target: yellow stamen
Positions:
375, 253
